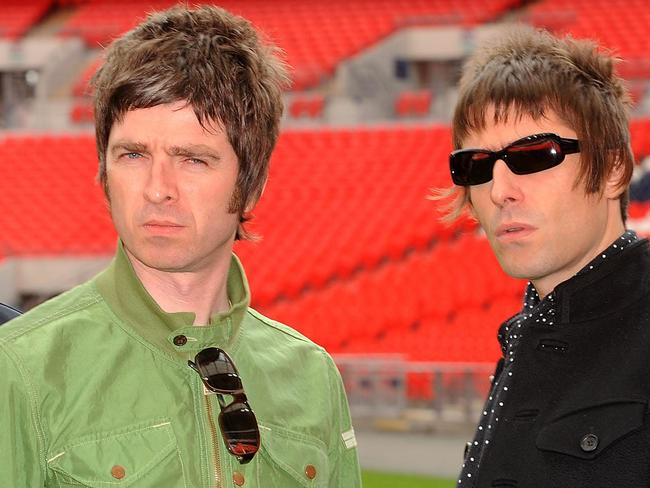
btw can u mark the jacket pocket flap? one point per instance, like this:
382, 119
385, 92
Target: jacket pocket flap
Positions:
123, 456
302, 457
587, 432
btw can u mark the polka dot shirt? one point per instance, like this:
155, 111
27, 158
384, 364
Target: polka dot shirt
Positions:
535, 310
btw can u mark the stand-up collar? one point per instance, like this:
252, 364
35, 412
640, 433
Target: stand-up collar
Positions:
172, 332
612, 286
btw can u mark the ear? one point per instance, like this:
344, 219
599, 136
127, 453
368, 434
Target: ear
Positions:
614, 184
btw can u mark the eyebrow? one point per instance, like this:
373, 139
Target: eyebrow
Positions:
190, 150
194, 150
128, 146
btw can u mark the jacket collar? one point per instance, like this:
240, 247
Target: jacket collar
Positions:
613, 286
133, 305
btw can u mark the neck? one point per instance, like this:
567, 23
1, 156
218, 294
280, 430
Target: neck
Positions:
200, 292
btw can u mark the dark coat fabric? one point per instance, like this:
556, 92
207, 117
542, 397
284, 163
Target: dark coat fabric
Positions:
7, 313
577, 414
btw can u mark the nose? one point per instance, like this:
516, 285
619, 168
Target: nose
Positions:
161, 182
505, 187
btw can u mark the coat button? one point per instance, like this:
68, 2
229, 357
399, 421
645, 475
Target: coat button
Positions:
589, 443
238, 478
180, 340
310, 471
118, 472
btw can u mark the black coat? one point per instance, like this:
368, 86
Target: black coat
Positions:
577, 414
7, 313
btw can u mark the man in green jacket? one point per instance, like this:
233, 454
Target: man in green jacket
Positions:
157, 373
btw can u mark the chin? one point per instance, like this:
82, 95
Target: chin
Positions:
515, 269
171, 260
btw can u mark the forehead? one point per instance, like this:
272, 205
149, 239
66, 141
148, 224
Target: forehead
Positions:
171, 121
500, 130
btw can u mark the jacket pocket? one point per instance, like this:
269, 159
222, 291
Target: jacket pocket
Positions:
587, 432
290, 459
145, 456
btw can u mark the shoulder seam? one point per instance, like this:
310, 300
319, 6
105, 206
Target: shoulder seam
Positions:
84, 303
285, 329
34, 402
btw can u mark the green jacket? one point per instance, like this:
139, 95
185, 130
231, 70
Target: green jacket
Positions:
95, 393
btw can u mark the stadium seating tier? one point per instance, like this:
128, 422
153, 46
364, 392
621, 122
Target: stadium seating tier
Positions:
352, 252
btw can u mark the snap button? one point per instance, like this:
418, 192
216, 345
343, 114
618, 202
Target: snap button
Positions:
180, 340
310, 471
589, 443
238, 478
118, 472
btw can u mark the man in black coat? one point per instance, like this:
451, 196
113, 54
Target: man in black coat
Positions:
543, 162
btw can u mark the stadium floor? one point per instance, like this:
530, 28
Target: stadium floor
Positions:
373, 479
426, 454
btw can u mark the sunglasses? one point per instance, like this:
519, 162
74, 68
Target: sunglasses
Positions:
525, 156
237, 421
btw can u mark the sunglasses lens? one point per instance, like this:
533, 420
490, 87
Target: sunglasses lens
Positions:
239, 428
534, 156
471, 167
218, 370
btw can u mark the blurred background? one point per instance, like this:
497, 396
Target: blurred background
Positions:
352, 251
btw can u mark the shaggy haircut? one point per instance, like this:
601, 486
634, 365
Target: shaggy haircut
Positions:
529, 72
214, 61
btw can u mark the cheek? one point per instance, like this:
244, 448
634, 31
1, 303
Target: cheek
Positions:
479, 203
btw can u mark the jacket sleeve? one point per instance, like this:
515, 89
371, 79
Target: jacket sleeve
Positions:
21, 464
344, 461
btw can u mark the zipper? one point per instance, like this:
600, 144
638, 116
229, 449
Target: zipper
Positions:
215, 442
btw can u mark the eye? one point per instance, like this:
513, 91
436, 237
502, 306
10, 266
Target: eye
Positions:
130, 155
196, 162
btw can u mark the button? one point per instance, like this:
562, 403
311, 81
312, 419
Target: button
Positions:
180, 340
118, 472
589, 443
310, 471
238, 478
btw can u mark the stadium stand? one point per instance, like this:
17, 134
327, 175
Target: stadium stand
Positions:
413, 102
56, 209
316, 36
362, 193
308, 105
626, 32
411, 306
18, 16
352, 252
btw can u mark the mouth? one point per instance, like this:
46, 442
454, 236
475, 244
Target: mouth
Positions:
162, 223
514, 230
162, 227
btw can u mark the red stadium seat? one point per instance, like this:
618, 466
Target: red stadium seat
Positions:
316, 36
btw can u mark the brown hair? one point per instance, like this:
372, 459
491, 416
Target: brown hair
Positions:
216, 62
530, 72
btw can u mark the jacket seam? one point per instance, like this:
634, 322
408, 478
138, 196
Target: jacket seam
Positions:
162, 453
61, 313
37, 421
126, 431
285, 329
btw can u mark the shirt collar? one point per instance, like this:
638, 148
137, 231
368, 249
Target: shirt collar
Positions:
172, 332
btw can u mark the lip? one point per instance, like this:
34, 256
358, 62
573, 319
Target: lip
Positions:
164, 227
514, 230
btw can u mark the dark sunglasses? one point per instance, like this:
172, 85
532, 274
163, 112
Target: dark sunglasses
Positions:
523, 157
237, 421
